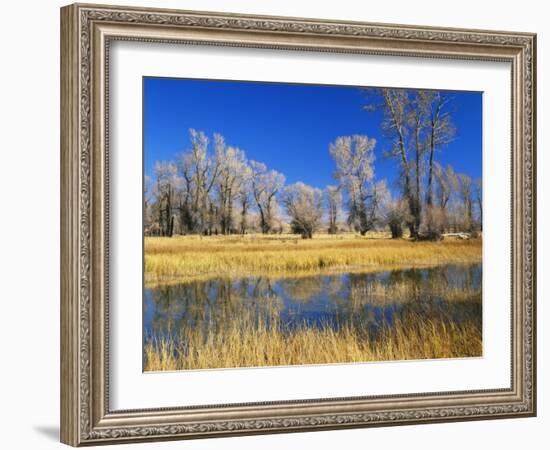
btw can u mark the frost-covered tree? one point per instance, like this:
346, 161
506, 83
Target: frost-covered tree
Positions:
478, 192
445, 190
164, 193
333, 196
446, 184
265, 185
232, 168
244, 199
465, 189
199, 172
393, 212
147, 204
354, 158
304, 205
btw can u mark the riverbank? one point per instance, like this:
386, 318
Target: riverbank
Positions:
247, 342
182, 258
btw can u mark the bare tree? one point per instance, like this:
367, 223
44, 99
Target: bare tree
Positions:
393, 211
244, 198
465, 185
354, 157
478, 186
230, 179
265, 186
441, 132
147, 199
333, 195
200, 172
164, 191
188, 217
419, 121
304, 206
396, 108
446, 184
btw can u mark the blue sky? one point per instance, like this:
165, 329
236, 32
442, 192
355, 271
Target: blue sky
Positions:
288, 126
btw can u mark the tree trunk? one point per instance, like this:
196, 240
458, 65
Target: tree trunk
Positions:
396, 230
171, 227
480, 205
429, 192
243, 218
418, 205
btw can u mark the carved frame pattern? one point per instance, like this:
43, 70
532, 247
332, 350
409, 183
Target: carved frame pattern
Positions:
86, 418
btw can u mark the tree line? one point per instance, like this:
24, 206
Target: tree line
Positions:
212, 188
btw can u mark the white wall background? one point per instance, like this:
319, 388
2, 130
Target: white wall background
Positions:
29, 225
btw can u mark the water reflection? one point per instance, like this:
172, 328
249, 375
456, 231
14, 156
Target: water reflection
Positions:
368, 300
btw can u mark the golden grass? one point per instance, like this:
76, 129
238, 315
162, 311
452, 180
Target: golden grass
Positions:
251, 343
194, 257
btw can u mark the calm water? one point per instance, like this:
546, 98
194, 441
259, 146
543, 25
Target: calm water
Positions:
369, 299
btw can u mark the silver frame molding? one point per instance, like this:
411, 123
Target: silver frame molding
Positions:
86, 33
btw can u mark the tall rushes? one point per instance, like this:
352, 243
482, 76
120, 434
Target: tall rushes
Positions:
249, 342
184, 257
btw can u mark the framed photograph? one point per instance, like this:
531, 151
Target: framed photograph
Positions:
276, 224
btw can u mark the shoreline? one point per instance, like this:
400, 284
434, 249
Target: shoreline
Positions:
193, 258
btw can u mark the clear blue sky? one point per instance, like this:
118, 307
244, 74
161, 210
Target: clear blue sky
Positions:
287, 126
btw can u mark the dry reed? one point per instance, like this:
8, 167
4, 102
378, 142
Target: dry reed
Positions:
186, 257
246, 344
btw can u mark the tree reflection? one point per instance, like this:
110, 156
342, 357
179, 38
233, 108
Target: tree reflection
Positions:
365, 300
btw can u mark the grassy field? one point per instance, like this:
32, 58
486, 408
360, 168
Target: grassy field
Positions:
188, 257
247, 342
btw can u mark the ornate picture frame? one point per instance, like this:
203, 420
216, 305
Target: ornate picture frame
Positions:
87, 32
